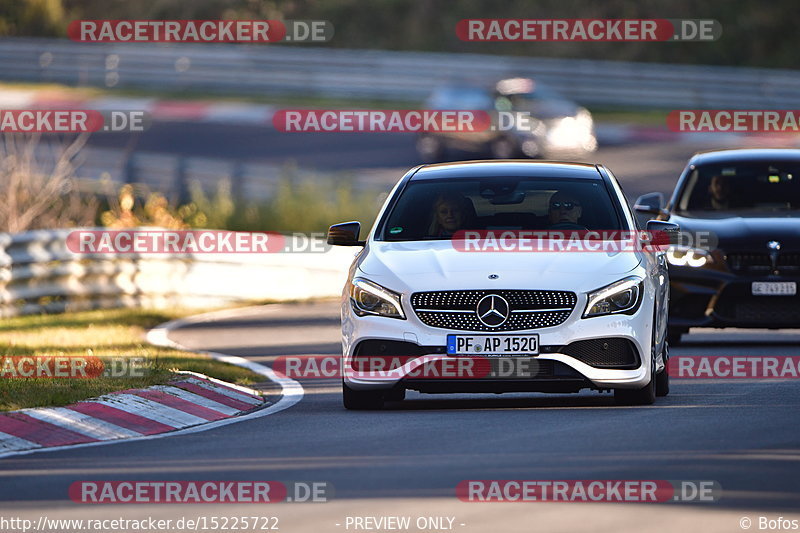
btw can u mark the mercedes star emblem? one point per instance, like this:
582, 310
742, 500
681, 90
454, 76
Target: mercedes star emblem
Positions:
492, 310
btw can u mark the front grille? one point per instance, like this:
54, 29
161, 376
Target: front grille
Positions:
761, 263
529, 309
737, 303
784, 311
604, 353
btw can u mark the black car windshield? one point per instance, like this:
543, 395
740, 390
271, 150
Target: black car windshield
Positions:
750, 186
438, 209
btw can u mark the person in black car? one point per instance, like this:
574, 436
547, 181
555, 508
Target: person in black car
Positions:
719, 191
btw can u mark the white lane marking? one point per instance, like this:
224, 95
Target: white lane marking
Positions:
291, 390
12, 443
80, 423
196, 399
231, 390
130, 403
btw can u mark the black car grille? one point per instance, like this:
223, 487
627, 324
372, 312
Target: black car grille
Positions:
529, 309
737, 303
761, 263
604, 353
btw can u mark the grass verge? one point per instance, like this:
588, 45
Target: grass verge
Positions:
106, 333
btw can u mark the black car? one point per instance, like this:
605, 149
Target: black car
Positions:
529, 120
739, 261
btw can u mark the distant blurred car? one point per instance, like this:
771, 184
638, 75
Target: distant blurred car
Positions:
553, 126
739, 264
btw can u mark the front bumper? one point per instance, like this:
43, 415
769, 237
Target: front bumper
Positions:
555, 370
705, 297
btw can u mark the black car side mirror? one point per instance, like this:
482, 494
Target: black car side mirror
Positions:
664, 232
345, 234
651, 203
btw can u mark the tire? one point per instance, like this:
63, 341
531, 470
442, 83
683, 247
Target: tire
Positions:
644, 396
361, 400
662, 383
662, 378
395, 395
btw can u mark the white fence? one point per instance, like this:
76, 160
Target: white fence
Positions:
385, 75
39, 274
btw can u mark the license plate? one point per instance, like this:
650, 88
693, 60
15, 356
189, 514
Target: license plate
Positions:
774, 288
493, 345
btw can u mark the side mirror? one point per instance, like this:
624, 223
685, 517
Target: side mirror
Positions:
665, 232
345, 234
651, 203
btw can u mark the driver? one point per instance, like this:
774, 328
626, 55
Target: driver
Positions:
719, 191
565, 210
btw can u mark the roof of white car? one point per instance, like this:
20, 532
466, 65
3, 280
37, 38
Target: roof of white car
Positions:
506, 169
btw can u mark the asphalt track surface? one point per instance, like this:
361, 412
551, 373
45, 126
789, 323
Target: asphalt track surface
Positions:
408, 459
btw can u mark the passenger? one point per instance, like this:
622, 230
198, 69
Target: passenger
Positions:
450, 213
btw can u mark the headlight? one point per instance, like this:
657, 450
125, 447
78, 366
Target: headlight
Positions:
622, 296
584, 118
679, 255
369, 298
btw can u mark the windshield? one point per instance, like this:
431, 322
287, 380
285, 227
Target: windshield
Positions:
762, 187
437, 209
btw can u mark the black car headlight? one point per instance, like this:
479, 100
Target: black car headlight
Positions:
368, 298
622, 296
679, 255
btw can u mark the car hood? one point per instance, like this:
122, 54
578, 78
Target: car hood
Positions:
742, 233
432, 265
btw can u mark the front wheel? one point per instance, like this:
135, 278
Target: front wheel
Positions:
662, 383
662, 378
361, 400
644, 396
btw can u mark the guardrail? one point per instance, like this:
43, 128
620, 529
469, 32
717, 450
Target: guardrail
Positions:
385, 75
38, 273
104, 170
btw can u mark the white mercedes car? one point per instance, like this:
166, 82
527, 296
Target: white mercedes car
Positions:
449, 296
